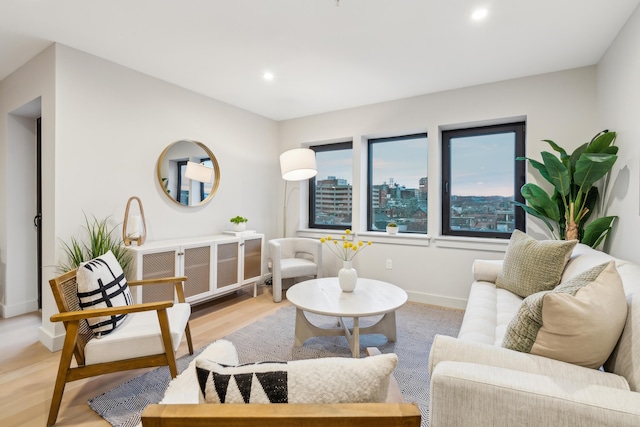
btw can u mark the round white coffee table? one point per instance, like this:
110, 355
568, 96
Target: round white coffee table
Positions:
324, 296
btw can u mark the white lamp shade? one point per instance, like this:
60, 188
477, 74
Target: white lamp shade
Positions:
198, 172
298, 164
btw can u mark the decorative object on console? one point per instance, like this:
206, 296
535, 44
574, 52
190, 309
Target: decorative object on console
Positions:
137, 230
297, 164
392, 228
188, 173
575, 195
532, 266
579, 322
99, 240
345, 250
239, 223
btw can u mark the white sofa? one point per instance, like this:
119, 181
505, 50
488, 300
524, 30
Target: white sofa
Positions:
476, 382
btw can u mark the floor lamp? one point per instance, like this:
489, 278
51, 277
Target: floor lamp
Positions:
297, 164
200, 173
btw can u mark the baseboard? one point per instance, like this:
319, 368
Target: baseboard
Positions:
439, 300
13, 310
52, 342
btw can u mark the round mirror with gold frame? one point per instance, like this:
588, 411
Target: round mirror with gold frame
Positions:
188, 173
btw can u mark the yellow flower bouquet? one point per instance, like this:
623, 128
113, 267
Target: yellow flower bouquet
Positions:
343, 248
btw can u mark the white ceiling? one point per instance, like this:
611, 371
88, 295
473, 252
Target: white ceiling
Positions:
325, 56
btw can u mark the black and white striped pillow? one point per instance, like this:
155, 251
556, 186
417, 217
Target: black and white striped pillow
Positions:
101, 284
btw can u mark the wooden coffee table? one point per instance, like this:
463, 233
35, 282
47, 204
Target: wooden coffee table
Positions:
324, 296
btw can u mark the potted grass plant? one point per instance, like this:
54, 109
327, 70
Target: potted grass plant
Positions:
98, 239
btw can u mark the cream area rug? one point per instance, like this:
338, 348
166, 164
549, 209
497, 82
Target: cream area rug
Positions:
271, 339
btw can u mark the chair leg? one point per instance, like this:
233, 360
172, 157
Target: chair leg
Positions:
63, 370
168, 343
187, 332
276, 289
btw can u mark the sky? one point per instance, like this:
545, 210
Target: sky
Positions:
404, 161
482, 165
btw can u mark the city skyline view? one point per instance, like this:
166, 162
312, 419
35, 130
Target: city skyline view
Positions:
482, 165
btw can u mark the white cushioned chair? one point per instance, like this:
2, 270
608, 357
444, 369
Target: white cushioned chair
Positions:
294, 257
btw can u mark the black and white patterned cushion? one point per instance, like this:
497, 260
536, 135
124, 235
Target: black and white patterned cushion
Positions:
325, 380
101, 284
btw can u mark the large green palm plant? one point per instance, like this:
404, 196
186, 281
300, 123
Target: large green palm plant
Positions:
575, 195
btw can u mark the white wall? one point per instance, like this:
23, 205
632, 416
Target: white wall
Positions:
619, 110
559, 106
112, 123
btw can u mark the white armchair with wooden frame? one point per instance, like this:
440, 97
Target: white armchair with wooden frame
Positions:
148, 337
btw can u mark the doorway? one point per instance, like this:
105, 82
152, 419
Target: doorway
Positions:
37, 220
23, 271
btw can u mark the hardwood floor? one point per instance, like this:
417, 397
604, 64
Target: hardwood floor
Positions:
28, 369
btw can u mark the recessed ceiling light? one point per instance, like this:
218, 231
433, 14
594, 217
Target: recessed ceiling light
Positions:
479, 14
268, 76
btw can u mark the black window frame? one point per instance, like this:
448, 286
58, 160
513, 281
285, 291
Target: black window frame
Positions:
519, 128
179, 165
346, 145
370, 143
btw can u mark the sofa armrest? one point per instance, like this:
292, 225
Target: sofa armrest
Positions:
465, 394
486, 270
447, 348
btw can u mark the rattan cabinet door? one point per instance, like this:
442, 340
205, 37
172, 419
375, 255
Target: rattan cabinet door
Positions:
227, 266
252, 259
154, 266
197, 268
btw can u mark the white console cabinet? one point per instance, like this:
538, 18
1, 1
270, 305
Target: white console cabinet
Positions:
214, 265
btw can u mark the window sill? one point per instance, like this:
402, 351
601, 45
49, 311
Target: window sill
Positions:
474, 243
372, 236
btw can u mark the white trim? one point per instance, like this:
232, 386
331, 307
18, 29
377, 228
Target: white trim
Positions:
13, 310
404, 239
473, 243
53, 343
439, 300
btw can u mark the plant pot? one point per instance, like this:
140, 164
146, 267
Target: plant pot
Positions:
392, 230
347, 277
241, 226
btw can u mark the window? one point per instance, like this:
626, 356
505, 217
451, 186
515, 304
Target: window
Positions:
203, 189
330, 191
480, 177
183, 183
397, 183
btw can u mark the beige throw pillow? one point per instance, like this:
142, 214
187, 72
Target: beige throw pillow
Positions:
578, 322
532, 266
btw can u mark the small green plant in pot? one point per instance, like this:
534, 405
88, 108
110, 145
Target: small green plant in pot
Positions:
99, 240
575, 193
392, 228
239, 223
